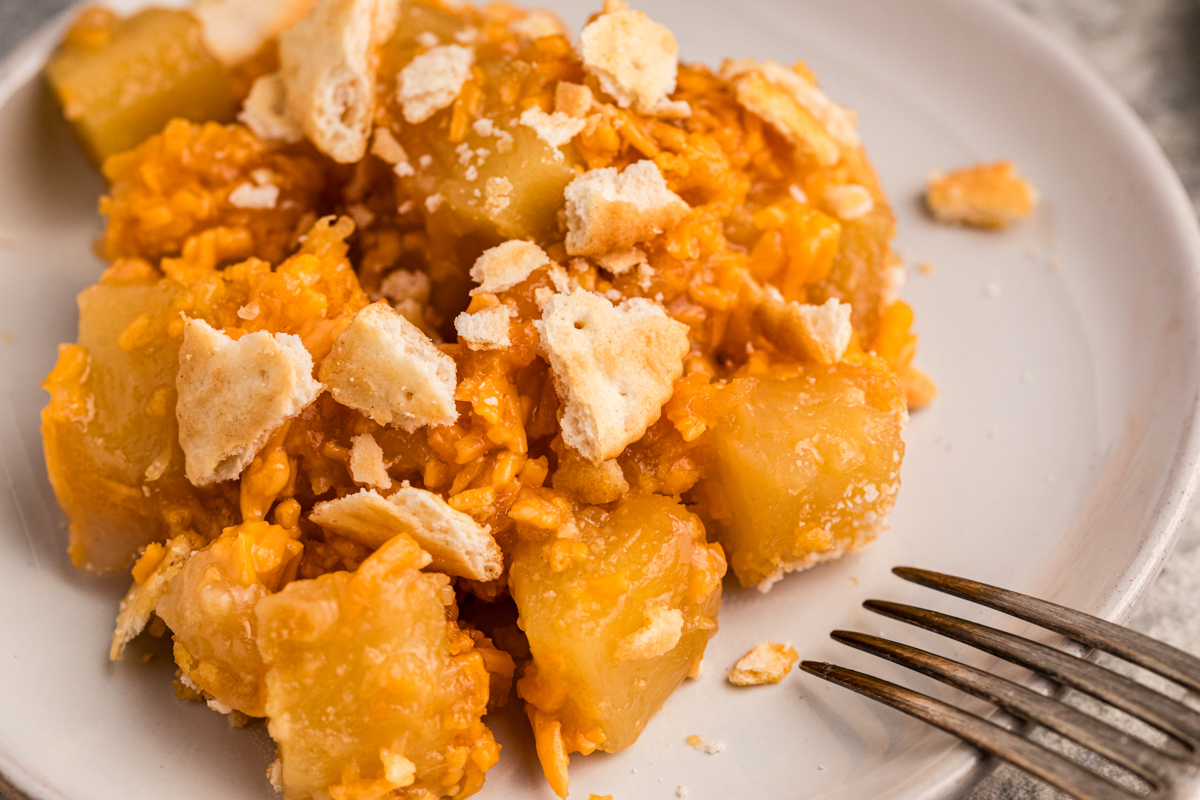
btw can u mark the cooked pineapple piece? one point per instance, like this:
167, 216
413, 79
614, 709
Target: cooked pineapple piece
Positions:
807, 467
120, 80
370, 688
618, 609
109, 430
210, 610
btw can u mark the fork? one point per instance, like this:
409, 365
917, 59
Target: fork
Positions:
1171, 772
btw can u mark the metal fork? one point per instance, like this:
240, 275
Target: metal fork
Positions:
1171, 771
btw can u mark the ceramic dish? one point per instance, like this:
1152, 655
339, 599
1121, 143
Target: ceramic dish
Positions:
1058, 460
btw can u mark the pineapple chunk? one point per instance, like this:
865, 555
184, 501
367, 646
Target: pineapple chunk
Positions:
618, 609
807, 467
120, 80
370, 688
109, 430
209, 607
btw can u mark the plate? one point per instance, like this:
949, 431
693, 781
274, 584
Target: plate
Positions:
1058, 460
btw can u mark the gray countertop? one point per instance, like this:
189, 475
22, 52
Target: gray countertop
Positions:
1150, 51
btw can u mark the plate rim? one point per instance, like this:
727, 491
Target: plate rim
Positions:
963, 766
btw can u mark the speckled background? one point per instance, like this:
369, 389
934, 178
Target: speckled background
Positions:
1150, 51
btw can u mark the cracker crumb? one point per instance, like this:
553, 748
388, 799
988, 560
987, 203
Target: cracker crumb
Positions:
837, 120
398, 770
234, 394
327, 61
682, 791
594, 484
658, 636
554, 129
538, 24
249, 311
609, 210
251, 197
614, 368
636, 61
234, 30
622, 261
385, 367
497, 195
766, 662
573, 99
457, 544
505, 265
712, 748
433, 80
387, 149
850, 202
275, 775
434, 202
152, 574
988, 196
925, 268
367, 467
428, 39
484, 330
265, 111
822, 332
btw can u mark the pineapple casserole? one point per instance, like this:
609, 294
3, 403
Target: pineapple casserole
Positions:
414, 312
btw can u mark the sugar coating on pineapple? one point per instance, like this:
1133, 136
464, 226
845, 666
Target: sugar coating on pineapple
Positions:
659, 635
433, 80
234, 394
766, 662
328, 67
234, 30
385, 367
147, 589
505, 265
458, 545
486, 329
635, 59
983, 196
266, 111
609, 210
614, 368
366, 464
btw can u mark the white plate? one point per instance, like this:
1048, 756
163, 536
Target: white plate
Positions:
1057, 461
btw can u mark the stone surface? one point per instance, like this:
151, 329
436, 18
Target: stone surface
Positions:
1148, 50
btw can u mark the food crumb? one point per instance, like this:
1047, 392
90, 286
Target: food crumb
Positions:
990, 196
766, 662
925, 268
854, 580
708, 747
600, 797
991, 290
821, 768
9, 337
682, 791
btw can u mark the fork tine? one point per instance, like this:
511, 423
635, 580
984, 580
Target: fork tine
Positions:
1151, 654
1117, 690
1047, 765
1129, 752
